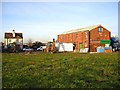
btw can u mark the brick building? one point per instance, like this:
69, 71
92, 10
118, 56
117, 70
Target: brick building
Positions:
89, 37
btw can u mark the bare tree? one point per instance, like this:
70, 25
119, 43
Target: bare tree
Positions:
30, 42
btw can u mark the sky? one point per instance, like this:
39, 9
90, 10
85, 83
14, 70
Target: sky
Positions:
43, 21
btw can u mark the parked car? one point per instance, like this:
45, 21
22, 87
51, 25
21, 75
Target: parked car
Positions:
115, 44
116, 47
27, 49
41, 48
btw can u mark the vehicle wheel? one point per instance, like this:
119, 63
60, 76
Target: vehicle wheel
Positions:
113, 49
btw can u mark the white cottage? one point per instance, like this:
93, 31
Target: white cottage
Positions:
13, 37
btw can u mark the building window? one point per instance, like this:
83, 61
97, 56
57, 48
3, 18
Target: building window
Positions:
76, 35
100, 29
9, 40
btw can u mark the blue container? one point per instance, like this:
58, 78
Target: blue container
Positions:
100, 49
108, 48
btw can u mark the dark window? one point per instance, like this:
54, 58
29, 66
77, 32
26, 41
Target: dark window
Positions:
100, 29
9, 40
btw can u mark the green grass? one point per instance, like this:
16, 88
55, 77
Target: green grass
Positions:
60, 70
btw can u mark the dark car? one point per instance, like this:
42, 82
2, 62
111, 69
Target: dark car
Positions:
116, 47
115, 44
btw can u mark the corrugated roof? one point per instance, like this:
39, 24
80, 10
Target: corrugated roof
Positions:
81, 29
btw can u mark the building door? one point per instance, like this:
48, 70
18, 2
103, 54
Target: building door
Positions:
80, 45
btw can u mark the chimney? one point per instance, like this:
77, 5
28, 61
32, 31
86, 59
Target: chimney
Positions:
13, 33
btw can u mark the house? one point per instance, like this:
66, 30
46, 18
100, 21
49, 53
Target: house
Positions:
13, 37
89, 37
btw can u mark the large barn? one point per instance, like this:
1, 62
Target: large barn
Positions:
89, 37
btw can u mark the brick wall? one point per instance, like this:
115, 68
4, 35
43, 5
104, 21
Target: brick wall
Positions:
96, 36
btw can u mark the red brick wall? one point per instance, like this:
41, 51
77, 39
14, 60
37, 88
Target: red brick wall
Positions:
80, 37
85, 39
96, 36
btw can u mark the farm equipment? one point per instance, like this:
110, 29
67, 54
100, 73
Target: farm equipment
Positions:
51, 47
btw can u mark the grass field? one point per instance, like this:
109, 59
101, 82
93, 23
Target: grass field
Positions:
60, 70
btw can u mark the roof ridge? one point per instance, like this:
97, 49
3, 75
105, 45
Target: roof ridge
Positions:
82, 29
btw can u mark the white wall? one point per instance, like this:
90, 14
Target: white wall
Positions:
64, 47
11, 40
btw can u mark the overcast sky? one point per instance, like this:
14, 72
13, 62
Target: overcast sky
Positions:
43, 21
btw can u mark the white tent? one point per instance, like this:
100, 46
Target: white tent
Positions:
64, 47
